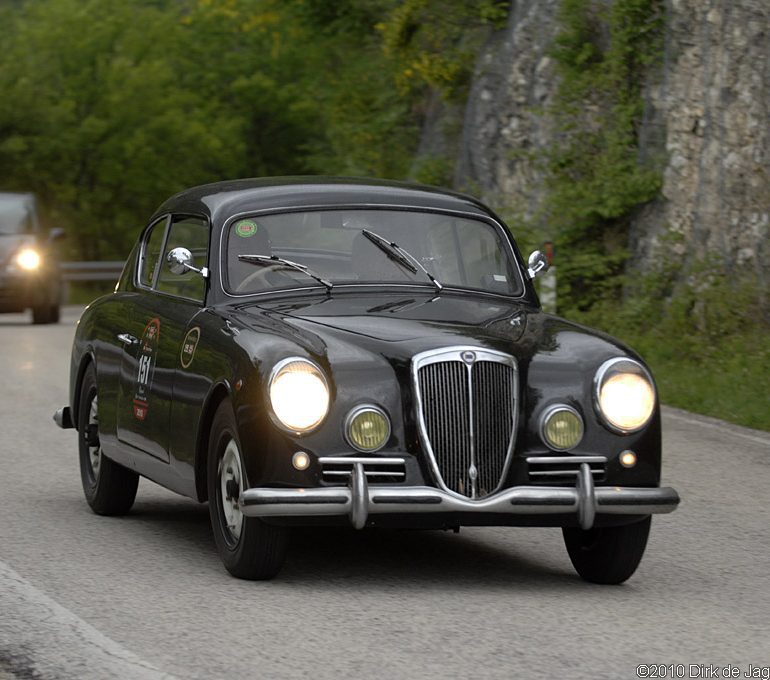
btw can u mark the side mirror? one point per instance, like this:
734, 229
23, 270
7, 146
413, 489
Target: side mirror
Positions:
180, 260
537, 263
56, 234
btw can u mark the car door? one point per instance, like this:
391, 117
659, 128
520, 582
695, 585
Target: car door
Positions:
158, 322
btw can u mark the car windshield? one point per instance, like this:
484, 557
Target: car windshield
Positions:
14, 215
459, 252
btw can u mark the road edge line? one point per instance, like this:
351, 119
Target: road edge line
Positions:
758, 436
48, 640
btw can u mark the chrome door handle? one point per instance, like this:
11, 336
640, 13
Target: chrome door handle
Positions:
127, 339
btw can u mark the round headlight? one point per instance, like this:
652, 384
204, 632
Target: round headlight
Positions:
625, 396
367, 428
562, 428
299, 395
28, 259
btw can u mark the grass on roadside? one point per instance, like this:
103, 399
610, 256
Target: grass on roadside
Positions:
730, 380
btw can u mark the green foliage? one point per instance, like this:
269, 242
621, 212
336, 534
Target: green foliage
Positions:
94, 119
436, 42
107, 107
594, 176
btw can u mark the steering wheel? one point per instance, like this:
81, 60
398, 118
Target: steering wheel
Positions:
265, 277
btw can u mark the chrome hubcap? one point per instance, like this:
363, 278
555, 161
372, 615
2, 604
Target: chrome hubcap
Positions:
230, 484
94, 447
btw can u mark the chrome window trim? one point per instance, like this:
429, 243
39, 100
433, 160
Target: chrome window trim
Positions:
551, 410
454, 353
142, 251
273, 373
599, 379
507, 239
169, 218
357, 410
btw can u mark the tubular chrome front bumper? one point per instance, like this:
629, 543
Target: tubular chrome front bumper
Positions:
358, 500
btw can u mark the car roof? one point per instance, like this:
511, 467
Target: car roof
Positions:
221, 200
15, 198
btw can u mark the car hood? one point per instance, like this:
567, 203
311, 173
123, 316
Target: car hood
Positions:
398, 326
365, 342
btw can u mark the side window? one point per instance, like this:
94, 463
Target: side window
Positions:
151, 254
191, 233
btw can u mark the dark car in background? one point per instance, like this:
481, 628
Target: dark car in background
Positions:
30, 276
339, 351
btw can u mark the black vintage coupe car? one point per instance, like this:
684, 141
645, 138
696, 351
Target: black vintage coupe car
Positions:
325, 351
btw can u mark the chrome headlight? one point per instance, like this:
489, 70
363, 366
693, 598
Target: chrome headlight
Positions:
561, 428
28, 259
299, 394
367, 428
624, 395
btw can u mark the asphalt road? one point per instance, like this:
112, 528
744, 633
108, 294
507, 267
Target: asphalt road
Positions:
145, 596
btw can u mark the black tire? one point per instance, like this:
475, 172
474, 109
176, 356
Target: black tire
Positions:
256, 551
55, 313
42, 314
109, 488
608, 555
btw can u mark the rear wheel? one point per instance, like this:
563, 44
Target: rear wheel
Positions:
249, 548
607, 555
109, 488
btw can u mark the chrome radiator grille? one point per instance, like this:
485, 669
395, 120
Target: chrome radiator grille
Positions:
467, 416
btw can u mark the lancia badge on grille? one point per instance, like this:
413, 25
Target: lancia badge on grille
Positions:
468, 357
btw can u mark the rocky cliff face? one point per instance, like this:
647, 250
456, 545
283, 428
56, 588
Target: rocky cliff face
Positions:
713, 102
505, 118
707, 121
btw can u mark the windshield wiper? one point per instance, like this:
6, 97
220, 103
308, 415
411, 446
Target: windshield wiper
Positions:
396, 253
266, 260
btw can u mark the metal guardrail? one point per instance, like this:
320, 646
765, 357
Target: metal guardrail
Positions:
91, 271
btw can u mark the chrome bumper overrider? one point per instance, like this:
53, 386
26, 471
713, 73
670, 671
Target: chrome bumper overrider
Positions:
359, 500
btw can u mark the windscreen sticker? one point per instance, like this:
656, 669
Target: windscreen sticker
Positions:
148, 349
189, 345
246, 228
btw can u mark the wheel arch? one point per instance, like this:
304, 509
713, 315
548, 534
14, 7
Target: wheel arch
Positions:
86, 360
218, 394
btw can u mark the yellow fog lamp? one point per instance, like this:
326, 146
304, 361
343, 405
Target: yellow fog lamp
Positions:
299, 395
367, 428
624, 395
28, 259
561, 428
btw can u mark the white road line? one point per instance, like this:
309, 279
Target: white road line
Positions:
726, 428
40, 638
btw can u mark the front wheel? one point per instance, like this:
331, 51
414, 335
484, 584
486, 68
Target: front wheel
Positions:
607, 555
249, 548
109, 488
45, 314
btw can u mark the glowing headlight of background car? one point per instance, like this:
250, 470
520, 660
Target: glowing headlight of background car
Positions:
299, 394
625, 395
28, 259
